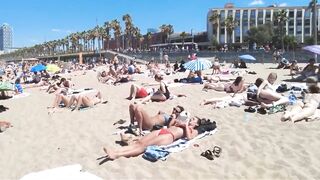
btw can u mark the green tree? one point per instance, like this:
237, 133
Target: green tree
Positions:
183, 35
215, 20
280, 19
230, 25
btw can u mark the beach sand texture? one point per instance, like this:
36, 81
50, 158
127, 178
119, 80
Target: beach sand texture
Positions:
254, 146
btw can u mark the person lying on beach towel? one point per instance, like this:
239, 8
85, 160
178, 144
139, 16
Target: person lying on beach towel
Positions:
147, 122
163, 136
76, 101
307, 107
266, 94
222, 102
139, 92
62, 85
237, 86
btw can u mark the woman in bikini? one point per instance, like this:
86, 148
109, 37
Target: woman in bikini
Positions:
139, 92
237, 86
161, 137
146, 122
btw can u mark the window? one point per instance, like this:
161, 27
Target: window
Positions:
237, 14
260, 14
291, 14
253, 14
299, 30
307, 22
291, 22
306, 30
307, 14
230, 13
299, 14
268, 14
299, 22
222, 31
245, 14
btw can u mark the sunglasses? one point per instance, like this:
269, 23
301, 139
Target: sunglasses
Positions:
177, 109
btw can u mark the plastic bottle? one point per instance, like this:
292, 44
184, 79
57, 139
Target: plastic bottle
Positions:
292, 98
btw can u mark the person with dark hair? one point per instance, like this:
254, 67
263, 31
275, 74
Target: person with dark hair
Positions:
147, 122
178, 130
237, 86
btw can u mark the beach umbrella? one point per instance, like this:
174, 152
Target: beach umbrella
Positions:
52, 68
247, 57
6, 86
198, 64
312, 48
38, 68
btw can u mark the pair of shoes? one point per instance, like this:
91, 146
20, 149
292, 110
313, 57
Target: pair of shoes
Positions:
207, 154
251, 109
216, 152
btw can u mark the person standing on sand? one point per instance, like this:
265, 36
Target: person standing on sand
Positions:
115, 61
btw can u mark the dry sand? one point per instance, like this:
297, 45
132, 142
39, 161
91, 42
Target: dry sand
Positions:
253, 146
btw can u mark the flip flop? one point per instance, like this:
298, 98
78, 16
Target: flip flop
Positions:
262, 111
104, 102
121, 121
250, 110
207, 154
217, 151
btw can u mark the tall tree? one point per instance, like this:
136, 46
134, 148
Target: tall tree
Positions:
230, 25
215, 20
183, 36
314, 9
128, 29
281, 18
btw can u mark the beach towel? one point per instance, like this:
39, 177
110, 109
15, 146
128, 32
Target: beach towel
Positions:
66, 172
161, 152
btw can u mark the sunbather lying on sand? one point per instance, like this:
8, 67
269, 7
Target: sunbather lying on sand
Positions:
86, 100
146, 122
139, 92
237, 86
306, 108
161, 137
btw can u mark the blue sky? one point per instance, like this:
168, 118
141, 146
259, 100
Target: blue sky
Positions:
36, 21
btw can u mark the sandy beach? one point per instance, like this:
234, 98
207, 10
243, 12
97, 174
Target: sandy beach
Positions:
254, 146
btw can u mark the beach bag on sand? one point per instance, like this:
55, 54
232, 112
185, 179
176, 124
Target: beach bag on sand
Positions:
153, 153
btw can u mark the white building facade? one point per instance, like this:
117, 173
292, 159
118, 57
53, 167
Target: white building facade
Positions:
299, 23
5, 37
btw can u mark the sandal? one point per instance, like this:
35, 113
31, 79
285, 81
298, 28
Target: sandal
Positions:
250, 110
262, 111
207, 154
217, 151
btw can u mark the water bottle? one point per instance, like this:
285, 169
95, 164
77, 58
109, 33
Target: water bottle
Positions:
292, 98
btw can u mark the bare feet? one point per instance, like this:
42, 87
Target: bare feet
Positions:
110, 154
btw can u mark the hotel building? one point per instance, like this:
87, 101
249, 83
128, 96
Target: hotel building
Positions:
299, 23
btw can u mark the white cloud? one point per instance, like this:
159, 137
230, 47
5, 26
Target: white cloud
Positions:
256, 2
56, 30
283, 4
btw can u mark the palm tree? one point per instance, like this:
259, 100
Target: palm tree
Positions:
167, 30
149, 37
281, 18
107, 27
230, 25
115, 24
183, 35
215, 20
128, 28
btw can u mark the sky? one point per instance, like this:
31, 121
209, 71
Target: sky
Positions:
37, 21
